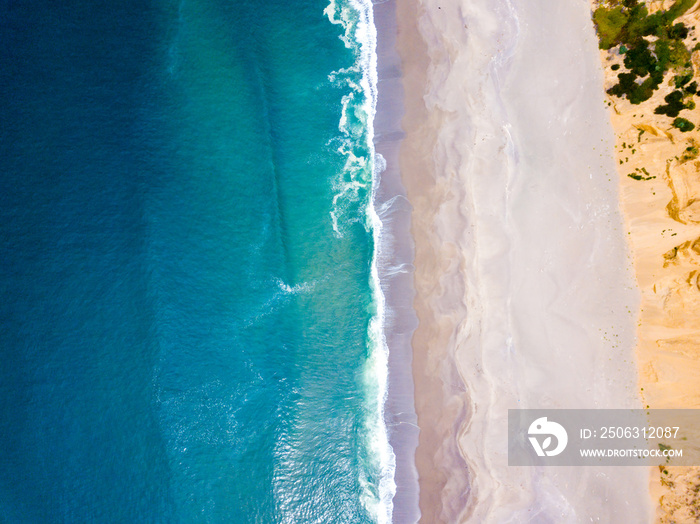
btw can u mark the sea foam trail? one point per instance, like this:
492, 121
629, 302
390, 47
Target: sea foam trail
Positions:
362, 170
532, 293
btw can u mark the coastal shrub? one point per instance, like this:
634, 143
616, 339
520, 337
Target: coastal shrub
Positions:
656, 25
642, 174
680, 56
635, 92
625, 82
691, 152
627, 23
615, 67
671, 53
662, 50
636, 25
678, 32
678, 8
643, 92
609, 22
640, 24
639, 59
681, 80
683, 125
674, 105
657, 75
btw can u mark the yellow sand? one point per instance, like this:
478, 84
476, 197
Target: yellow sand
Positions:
662, 216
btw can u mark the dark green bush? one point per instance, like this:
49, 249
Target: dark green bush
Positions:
634, 92
674, 105
625, 83
643, 92
639, 59
683, 124
678, 31
640, 24
681, 80
662, 49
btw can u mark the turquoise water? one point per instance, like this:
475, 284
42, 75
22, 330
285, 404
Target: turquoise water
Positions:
191, 323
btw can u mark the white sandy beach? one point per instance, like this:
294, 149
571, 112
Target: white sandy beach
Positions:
524, 286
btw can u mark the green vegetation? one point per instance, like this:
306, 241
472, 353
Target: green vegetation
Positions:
651, 45
635, 92
625, 22
609, 23
679, 8
641, 174
675, 103
691, 152
678, 32
683, 124
681, 80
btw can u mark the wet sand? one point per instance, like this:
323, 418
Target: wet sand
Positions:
395, 266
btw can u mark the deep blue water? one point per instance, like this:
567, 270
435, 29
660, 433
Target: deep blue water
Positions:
185, 265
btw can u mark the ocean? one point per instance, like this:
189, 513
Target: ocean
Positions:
192, 317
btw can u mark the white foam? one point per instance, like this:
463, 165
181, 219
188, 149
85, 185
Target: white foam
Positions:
360, 35
303, 287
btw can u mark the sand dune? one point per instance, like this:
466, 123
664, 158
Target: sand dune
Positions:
661, 204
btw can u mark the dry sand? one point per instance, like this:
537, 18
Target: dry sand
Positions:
662, 217
524, 288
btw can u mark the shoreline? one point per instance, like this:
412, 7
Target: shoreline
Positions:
395, 265
518, 243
